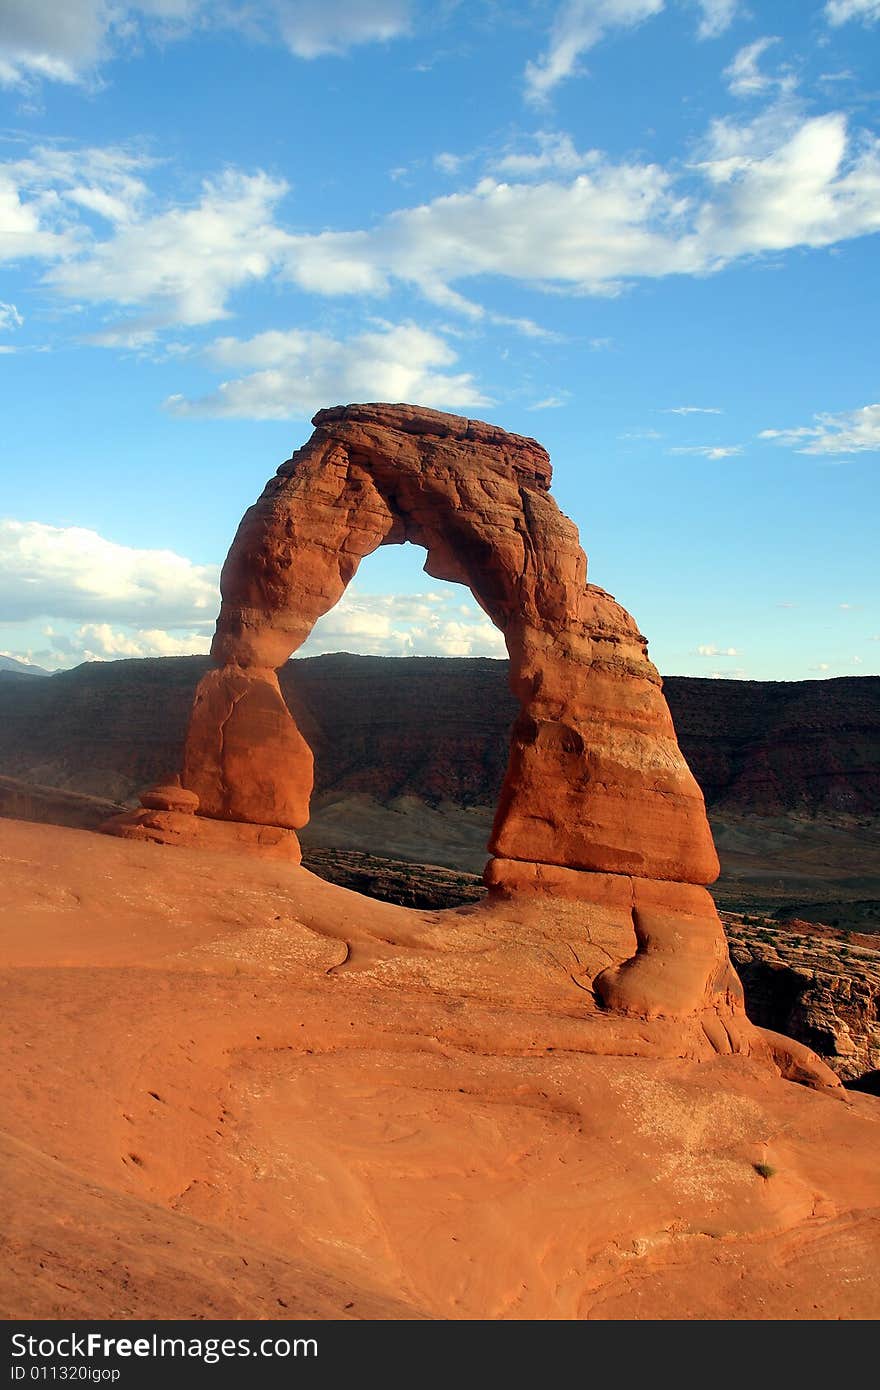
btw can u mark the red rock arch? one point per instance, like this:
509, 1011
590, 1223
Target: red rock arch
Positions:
599, 812
595, 781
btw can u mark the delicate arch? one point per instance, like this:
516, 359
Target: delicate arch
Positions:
595, 779
598, 805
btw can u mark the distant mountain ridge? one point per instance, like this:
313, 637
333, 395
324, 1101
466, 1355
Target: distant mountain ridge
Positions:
10, 666
437, 729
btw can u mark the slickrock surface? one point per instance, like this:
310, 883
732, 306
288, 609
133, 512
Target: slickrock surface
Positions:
53, 805
232, 1090
808, 982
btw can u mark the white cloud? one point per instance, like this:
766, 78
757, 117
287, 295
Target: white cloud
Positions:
9, 317
709, 649
852, 432
316, 28
448, 163
745, 78
101, 642
67, 40
577, 27
556, 150
108, 601
693, 410
717, 16
429, 624
709, 451
550, 403
839, 11
776, 182
587, 234
67, 644
23, 232
48, 199
783, 181
298, 370
181, 265
772, 184
41, 38
71, 572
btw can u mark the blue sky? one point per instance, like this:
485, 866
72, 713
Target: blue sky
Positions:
643, 231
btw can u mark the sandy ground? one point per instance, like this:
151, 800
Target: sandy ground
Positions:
233, 1090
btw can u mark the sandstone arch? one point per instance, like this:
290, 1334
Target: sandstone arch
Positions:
598, 804
596, 780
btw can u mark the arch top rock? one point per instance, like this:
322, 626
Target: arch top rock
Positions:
375, 475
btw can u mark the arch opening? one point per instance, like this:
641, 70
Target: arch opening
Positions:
404, 700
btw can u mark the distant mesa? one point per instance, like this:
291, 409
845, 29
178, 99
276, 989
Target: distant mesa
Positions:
598, 804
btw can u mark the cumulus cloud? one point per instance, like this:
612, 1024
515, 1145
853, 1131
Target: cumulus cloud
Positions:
771, 184
587, 234
180, 266
101, 642
839, 11
779, 181
716, 16
746, 79
67, 42
297, 370
23, 229
65, 644
852, 432
784, 181
315, 28
9, 317
430, 624
48, 200
43, 39
447, 163
555, 150
71, 572
108, 601
709, 649
577, 27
